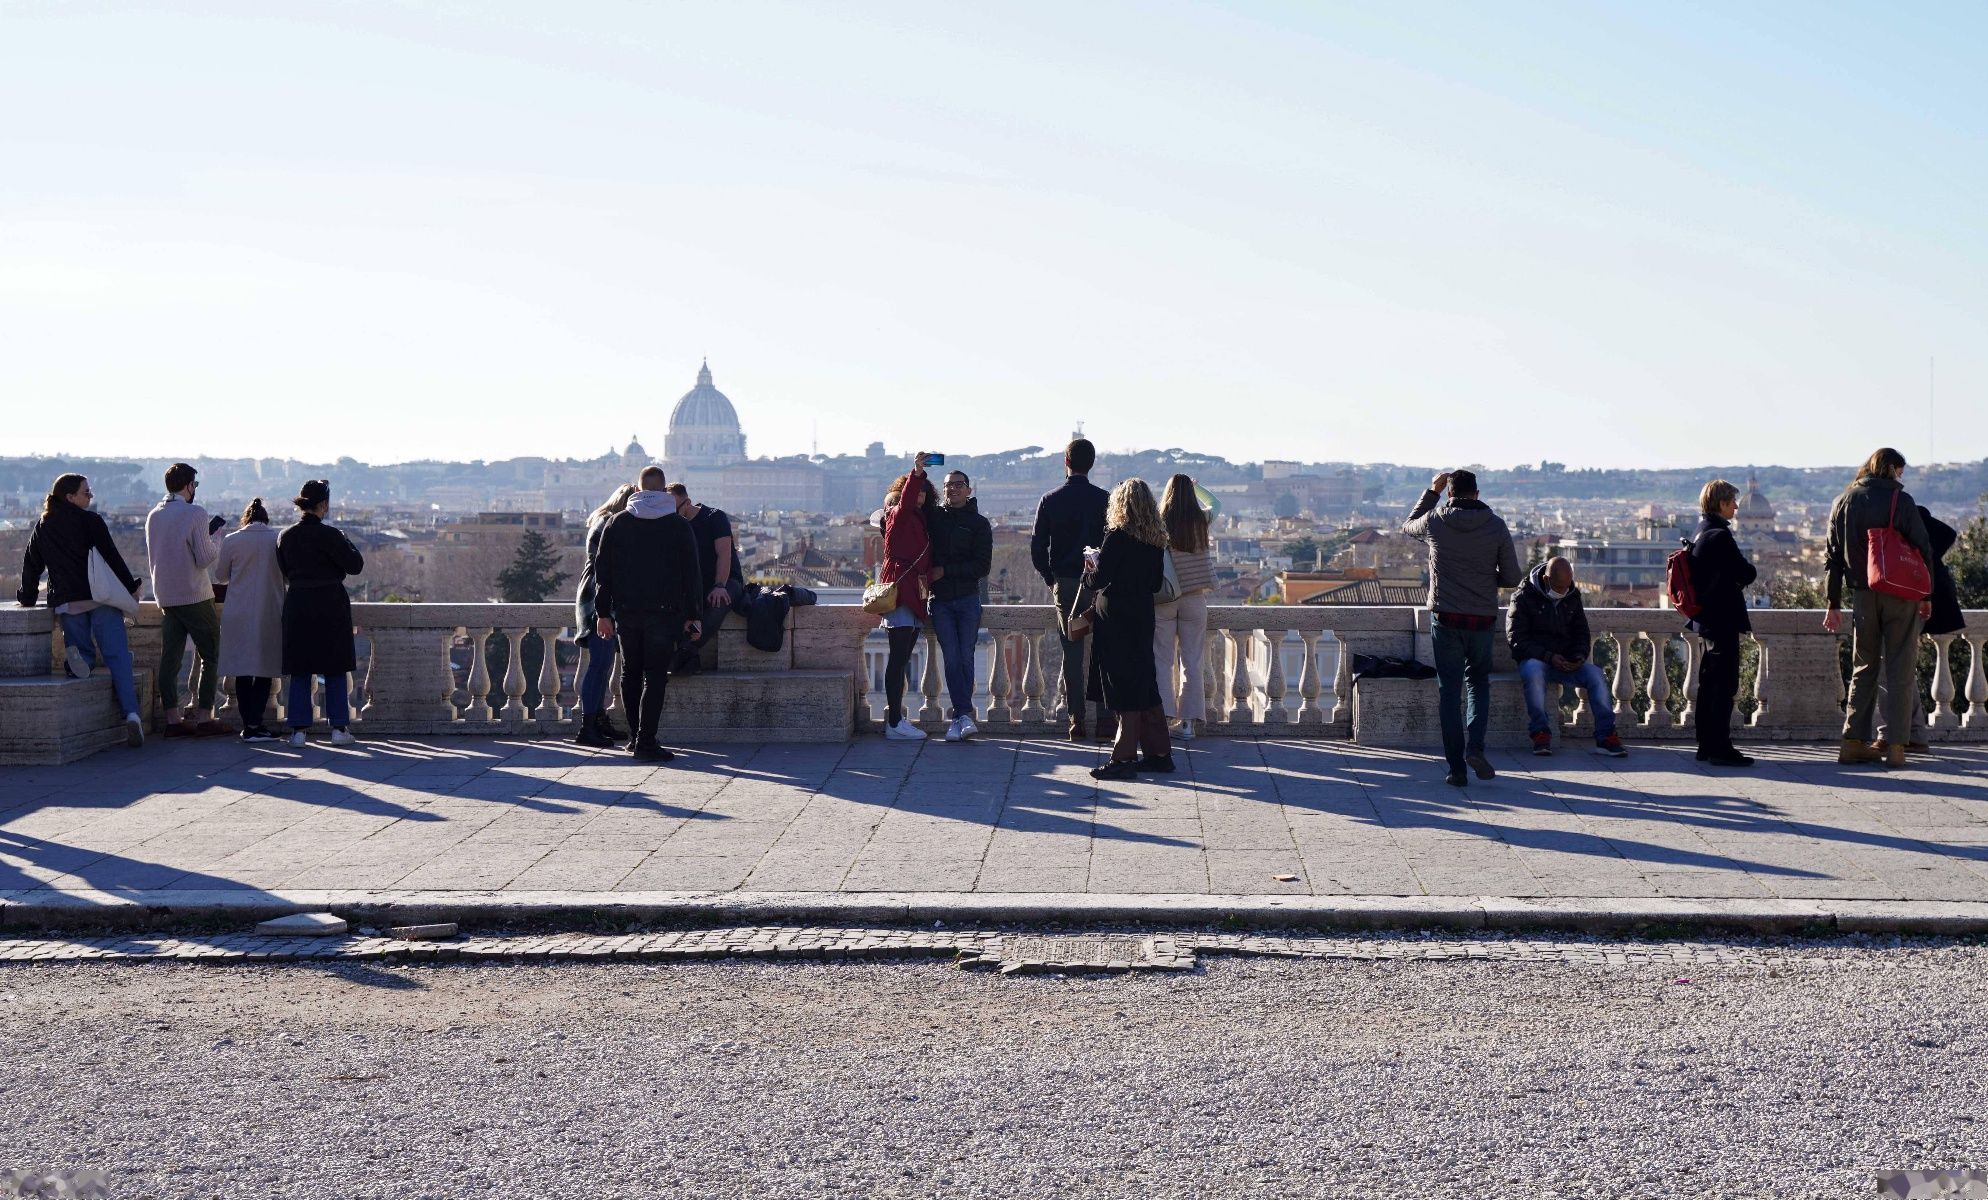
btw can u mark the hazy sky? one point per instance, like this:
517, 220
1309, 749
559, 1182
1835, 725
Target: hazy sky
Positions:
1660, 234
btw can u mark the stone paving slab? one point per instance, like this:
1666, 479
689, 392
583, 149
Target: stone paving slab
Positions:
1277, 831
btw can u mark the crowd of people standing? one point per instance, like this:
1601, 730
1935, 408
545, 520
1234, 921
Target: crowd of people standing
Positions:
1131, 576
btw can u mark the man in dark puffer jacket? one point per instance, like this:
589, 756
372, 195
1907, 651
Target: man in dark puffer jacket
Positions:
1548, 630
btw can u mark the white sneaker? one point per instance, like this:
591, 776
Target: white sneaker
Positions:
1185, 733
298, 739
134, 731
904, 731
952, 731
341, 737
79, 666
967, 728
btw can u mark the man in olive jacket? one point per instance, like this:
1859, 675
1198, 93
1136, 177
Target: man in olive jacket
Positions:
1548, 631
1470, 559
1885, 646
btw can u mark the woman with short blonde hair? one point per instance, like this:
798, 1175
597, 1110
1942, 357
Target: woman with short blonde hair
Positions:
1717, 493
1129, 568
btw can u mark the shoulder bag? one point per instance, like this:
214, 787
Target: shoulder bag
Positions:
107, 588
1893, 565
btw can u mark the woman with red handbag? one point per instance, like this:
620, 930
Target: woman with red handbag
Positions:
907, 563
1878, 544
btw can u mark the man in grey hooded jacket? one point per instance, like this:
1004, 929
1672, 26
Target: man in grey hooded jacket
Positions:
1471, 558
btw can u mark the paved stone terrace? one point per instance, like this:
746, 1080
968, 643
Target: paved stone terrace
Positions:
1242, 818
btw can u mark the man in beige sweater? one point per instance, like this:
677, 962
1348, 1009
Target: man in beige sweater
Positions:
180, 542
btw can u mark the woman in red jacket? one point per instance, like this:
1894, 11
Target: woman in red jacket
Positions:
907, 562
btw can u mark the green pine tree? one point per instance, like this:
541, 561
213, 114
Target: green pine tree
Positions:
534, 572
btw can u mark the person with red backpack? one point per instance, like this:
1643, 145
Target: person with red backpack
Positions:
1719, 577
1878, 544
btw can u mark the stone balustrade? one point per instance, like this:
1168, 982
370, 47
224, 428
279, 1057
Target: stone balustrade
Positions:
1269, 670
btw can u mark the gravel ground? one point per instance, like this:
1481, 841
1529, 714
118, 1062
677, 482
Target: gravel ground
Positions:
1265, 1078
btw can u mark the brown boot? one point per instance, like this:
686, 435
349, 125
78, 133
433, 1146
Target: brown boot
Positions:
1854, 751
1895, 756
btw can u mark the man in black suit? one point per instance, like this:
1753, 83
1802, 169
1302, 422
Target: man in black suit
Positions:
1069, 519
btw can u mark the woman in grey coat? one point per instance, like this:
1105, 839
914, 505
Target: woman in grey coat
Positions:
251, 617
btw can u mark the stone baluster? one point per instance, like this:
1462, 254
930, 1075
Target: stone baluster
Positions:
479, 676
1760, 673
1942, 715
1342, 681
1623, 687
514, 678
1241, 690
1274, 712
1308, 687
1687, 712
1032, 708
1000, 706
1659, 684
1215, 684
934, 682
548, 714
1977, 684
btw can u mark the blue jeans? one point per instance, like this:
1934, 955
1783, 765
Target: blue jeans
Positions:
957, 622
337, 710
1536, 673
99, 634
593, 684
1463, 688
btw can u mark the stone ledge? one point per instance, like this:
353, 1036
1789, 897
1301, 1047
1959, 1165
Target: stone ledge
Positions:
44, 910
49, 720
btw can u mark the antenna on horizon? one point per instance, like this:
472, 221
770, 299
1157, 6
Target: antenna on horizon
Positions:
1930, 426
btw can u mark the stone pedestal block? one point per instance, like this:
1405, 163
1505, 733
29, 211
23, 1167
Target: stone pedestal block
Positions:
1402, 714
52, 719
768, 706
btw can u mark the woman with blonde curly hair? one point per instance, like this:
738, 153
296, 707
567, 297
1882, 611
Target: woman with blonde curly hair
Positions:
1127, 573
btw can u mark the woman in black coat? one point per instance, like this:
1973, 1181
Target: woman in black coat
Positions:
315, 559
1720, 575
1129, 569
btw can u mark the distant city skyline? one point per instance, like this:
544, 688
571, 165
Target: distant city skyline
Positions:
1604, 235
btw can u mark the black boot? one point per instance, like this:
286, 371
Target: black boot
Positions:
607, 730
592, 735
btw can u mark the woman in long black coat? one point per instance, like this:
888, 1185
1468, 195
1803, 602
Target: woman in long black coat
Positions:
315, 559
1720, 575
1130, 566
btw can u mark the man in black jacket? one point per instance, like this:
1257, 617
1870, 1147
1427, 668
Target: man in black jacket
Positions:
1548, 631
649, 591
962, 554
1069, 519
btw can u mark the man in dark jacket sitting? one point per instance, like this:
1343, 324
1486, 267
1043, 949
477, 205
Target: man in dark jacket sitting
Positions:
1548, 630
649, 591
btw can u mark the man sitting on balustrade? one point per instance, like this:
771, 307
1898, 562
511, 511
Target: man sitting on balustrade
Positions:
1548, 630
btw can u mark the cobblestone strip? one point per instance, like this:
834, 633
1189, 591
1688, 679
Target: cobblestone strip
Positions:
985, 949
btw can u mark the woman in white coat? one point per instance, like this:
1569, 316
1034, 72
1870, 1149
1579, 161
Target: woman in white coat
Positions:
251, 617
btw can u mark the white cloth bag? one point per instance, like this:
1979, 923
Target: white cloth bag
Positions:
107, 588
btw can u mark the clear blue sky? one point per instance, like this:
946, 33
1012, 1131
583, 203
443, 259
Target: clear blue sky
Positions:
1661, 234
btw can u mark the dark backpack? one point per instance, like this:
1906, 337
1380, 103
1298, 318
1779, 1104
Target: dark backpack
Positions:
1677, 583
